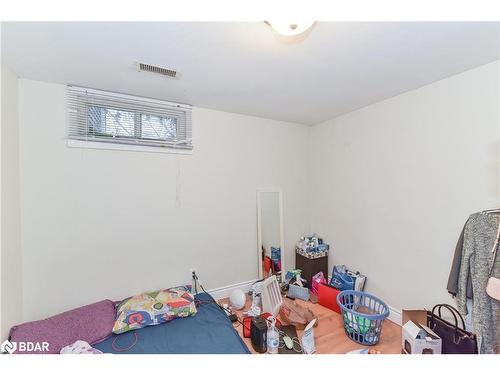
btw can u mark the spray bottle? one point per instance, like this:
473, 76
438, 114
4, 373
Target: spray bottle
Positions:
273, 336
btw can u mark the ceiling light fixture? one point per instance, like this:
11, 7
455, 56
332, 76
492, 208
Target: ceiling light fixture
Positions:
290, 28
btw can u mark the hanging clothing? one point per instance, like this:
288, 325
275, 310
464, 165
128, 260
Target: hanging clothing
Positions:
479, 237
452, 286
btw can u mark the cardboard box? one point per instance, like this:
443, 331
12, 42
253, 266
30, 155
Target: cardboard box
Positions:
419, 339
416, 316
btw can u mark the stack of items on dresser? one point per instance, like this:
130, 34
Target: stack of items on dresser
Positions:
310, 279
312, 247
311, 257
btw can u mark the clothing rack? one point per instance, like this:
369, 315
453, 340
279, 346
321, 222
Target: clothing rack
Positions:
492, 211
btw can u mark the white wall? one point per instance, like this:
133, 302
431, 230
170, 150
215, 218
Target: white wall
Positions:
395, 182
10, 260
107, 224
390, 187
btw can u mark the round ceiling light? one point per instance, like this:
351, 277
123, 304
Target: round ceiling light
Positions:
290, 28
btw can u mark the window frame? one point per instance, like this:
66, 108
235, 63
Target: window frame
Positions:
139, 122
181, 112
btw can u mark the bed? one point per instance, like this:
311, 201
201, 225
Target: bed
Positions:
209, 331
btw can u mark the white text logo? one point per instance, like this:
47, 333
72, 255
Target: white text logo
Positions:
8, 347
22, 346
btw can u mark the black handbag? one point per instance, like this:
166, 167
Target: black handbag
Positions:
454, 340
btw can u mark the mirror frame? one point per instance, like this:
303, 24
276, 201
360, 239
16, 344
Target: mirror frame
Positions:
259, 230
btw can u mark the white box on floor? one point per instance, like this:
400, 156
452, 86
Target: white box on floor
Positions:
419, 339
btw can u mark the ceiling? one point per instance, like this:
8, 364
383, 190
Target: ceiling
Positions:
247, 68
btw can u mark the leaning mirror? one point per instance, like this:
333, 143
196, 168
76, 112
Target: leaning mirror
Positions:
270, 233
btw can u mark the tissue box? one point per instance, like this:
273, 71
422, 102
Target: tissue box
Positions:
419, 339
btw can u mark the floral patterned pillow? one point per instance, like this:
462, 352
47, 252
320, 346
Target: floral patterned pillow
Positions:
153, 308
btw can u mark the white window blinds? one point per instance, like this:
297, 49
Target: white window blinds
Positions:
100, 116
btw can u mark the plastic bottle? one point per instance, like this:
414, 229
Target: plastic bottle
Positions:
273, 336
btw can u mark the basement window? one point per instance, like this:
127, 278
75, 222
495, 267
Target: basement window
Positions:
99, 119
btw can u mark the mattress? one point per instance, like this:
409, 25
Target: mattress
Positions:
209, 331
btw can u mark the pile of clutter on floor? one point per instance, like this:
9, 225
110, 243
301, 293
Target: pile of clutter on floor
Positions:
276, 313
272, 321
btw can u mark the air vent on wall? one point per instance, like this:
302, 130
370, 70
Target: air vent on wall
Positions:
157, 69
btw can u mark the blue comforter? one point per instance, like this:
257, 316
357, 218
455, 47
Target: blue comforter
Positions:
209, 331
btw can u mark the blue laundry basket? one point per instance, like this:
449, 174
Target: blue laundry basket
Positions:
363, 315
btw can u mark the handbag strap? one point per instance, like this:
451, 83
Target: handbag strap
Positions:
494, 250
453, 311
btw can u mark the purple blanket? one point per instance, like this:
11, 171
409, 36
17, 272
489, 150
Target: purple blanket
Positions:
92, 323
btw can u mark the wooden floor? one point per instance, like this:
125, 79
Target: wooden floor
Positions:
330, 336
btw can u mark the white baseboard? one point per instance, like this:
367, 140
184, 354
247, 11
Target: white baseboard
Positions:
395, 315
225, 291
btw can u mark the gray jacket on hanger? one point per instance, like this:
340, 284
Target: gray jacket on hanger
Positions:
479, 238
452, 286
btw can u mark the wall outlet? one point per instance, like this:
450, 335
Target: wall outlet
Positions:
192, 281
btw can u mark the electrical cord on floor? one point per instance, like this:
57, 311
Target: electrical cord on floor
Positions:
117, 349
200, 302
295, 340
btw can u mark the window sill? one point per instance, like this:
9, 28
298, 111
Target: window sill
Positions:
124, 147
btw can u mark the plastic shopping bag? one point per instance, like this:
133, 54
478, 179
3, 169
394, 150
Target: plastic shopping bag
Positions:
317, 279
